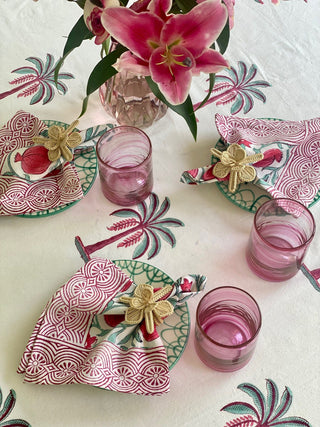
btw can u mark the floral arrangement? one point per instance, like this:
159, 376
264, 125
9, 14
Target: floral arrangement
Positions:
167, 41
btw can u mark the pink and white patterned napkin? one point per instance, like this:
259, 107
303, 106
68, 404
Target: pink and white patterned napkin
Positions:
291, 164
28, 183
64, 347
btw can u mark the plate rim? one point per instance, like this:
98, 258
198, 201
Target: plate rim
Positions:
187, 335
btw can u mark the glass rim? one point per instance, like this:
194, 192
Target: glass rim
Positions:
122, 127
218, 344
305, 209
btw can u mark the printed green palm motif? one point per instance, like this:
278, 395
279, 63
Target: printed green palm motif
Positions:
38, 81
145, 226
267, 411
238, 88
174, 331
6, 410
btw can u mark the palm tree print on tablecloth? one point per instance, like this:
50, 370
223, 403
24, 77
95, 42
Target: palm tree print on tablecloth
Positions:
145, 226
266, 411
6, 410
312, 275
238, 88
38, 81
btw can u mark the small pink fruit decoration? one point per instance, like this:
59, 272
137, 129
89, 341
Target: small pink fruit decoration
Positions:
34, 160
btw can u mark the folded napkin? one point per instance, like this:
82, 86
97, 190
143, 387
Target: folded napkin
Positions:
289, 162
35, 174
64, 347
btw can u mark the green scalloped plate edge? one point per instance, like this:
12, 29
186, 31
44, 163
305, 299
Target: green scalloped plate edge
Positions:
249, 197
86, 166
175, 330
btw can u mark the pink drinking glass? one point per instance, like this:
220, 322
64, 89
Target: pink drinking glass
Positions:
280, 236
228, 321
125, 165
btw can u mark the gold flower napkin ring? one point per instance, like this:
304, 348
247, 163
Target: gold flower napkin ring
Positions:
59, 141
234, 161
145, 304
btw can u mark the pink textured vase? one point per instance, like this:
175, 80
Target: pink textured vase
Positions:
129, 99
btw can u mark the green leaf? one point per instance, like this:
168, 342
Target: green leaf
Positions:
76, 36
104, 70
223, 39
211, 84
80, 3
101, 73
183, 6
185, 110
84, 106
97, 3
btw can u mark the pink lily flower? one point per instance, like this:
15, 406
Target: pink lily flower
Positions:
230, 6
92, 18
169, 48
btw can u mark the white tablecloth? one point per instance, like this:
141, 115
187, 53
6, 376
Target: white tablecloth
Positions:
280, 43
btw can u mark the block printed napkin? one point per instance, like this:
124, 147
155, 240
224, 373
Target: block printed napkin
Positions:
64, 348
291, 164
29, 181
18, 194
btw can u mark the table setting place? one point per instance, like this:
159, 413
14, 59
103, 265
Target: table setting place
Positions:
159, 211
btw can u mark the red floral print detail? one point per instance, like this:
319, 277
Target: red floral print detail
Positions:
208, 175
269, 157
148, 337
186, 285
193, 172
89, 342
113, 319
245, 142
34, 160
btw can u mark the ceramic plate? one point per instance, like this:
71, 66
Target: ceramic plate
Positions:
248, 196
174, 331
86, 165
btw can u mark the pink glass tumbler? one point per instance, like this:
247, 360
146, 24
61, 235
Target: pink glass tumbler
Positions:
228, 322
280, 236
125, 165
